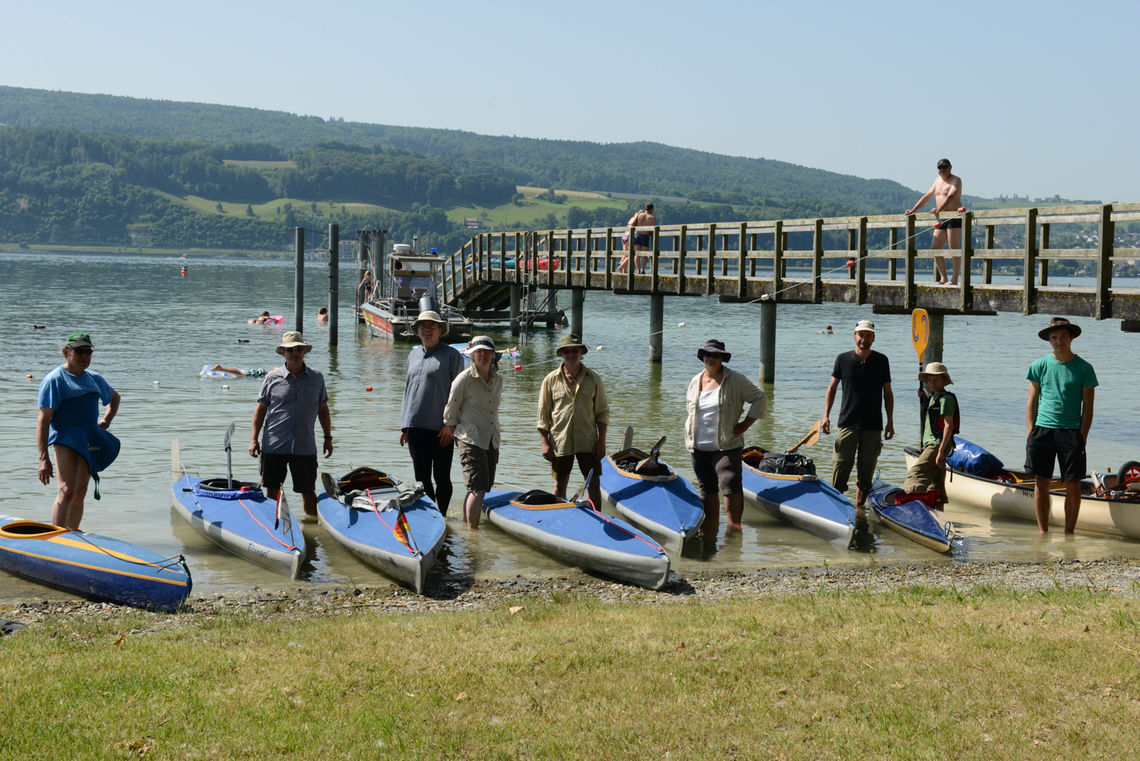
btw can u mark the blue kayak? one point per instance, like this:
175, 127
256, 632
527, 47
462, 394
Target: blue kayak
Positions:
576, 533
801, 499
93, 566
238, 517
911, 517
362, 512
654, 498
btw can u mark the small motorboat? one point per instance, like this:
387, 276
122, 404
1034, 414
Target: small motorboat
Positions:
410, 285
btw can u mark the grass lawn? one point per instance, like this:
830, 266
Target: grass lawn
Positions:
918, 673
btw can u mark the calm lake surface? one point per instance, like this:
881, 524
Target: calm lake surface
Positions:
154, 330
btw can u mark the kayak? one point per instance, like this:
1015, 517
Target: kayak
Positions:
576, 533
653, 498
801, 499
362, 511
238, 517
92, 566
909, 517
1009, 493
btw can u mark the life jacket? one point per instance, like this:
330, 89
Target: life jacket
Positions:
934, 417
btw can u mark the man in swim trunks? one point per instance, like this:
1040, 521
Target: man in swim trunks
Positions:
291, 399
69, 419
947, 194
641, 240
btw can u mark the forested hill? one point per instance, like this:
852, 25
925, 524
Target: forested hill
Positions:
648, 169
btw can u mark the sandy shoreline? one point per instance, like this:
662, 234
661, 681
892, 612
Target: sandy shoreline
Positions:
1116, 577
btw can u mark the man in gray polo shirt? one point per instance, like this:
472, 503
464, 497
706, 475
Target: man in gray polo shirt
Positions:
292, 398
432, 366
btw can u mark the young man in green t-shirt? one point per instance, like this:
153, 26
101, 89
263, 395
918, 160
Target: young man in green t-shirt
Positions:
940, 421
1058, 417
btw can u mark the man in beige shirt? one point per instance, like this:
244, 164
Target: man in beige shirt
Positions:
573, 415
947, 195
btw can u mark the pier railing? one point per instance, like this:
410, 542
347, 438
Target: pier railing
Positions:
861, 260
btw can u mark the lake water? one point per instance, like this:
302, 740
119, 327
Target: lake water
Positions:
154, 329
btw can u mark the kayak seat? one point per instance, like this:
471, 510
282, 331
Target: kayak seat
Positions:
363, 478
539, 497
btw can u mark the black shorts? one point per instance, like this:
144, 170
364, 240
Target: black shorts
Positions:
720, 471
641, 239
952, 224
303, 467
1065, 445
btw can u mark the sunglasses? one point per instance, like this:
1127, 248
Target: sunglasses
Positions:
84, 351
292, 349
571, 351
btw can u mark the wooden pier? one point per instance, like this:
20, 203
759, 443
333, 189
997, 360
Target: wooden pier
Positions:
856, 260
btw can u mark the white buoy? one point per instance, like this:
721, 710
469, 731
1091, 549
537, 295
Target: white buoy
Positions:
680, 324
225, 385
156, 383
600, 348
765, 297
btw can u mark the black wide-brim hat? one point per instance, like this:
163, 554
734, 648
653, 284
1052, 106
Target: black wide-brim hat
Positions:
714, 347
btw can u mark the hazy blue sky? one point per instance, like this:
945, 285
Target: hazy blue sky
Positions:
1029, 98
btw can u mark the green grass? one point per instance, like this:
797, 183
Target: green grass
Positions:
915, 674
531, 209
268, 211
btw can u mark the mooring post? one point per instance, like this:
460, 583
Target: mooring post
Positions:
656, 325
767, 341
577, 301
334, 281
516, 307
299, 280
933, 351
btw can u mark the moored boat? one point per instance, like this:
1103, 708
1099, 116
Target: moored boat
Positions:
409, 284
909, 516
238, 517
798, 497
652, 496
1009, 493
575, 533
93, 566
389, 525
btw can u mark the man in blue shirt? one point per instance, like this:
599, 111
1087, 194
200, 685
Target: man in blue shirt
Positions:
292, 398
432, 366
1058, 417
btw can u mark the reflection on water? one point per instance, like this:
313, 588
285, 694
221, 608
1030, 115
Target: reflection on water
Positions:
154, 329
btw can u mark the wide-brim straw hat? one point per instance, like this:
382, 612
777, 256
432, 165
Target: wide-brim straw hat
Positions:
1059, 322
935, 368
292, 339
571, 341
715, 348
430, 315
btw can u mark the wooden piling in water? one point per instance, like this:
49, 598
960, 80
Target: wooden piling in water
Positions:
299, 279
656, 326
334, 282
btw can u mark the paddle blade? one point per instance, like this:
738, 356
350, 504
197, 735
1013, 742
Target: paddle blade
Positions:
330, 486
284, 518
807, 441
585, 486
919, 331
627, 440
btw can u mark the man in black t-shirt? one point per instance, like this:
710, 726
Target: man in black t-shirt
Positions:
866, 379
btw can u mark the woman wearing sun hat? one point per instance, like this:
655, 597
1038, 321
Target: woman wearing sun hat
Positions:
713, 433
69, 420
472, 418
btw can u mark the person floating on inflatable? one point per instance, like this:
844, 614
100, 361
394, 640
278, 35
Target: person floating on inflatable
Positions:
69, 401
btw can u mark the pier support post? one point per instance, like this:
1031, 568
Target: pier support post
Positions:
334, 282
933, 351
516, 307
577, 300
767, 341
656, 325
551, 306
299, 279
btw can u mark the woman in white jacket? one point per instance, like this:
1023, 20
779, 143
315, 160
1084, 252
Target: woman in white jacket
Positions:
714, 433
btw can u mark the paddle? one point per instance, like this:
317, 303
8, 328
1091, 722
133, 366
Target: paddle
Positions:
627, 440
229, 457
811, 438
283, 517
585, 485
920, 336
653, 455
330, 486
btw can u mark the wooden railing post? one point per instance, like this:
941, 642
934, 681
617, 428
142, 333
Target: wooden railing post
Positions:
892, 263
861, 264
550, 259
683, 245
589, 254
1042, 263
988, 265
608, 273
966, 294
569, 256
1105, 233
910, 301
654, 258
778, 261
852, 245
741, 257
710, 276
1029, 290
817, 263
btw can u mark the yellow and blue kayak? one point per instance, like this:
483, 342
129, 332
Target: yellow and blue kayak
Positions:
92, 566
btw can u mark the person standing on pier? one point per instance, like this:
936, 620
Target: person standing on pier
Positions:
947, 194
1058, 417
573, 414
432, 367
640, 240
714, 432
291, 400
69, 422
866, 379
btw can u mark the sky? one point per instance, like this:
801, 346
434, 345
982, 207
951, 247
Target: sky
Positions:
1025, 98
